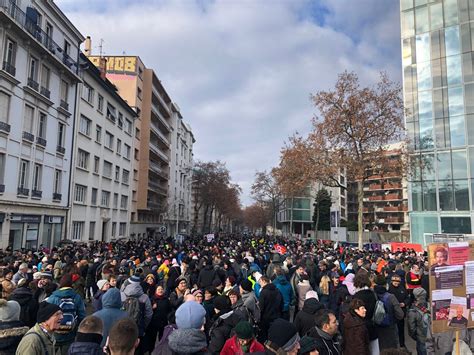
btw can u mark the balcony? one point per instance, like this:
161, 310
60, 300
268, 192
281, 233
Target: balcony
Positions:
9, 68
394, 220
64, 105
45, 92
27, 136
23, 192
157, 188
56, 196
32, 83
60, 150
158, 170
20, 18
2, 188
153, 205
161, 155
159, 134
4, 127
41, 141
36, 193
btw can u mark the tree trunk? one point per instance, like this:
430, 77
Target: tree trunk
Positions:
317, 221
360, 209
204, 220
291, 218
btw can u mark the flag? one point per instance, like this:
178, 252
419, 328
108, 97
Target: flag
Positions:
280, 249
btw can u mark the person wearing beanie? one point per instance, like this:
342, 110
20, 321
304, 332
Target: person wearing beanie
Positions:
283, 338
356, 335
189, 337
388, 333
103, 286
11, 327
308, 346
29, 305
41, 339
66, 336
149, 285
304, 319
89, 337
225, 320
418, 318
243, 342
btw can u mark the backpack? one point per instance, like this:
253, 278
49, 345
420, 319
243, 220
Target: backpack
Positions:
425, 319
383, 312
161, 345
136, 311
68, 323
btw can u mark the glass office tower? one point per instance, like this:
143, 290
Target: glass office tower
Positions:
438, 87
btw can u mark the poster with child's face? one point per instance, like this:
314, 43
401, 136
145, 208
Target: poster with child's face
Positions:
458, 313
438, 254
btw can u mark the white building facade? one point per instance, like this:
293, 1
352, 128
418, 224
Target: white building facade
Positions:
103, 155
180, 183
38, 88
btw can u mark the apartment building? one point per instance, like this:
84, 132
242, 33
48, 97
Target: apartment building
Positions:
38, 87
101, 186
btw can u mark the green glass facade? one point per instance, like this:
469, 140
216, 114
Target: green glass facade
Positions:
438, 86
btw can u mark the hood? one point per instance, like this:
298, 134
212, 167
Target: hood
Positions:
11, 334
380, 290
312, 305
187, 341
281, 280
22, 295
134, 289
65, 292
111, 299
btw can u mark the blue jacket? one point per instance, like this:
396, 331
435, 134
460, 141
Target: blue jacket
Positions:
110, 312
286, 291
56, 297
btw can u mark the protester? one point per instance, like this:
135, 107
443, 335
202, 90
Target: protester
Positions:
123, 338
243, 342
399, 291
356, 334
12, 329
325, 333
88, 338
418, 320
103, 286
271, 305
282, 338
29, 305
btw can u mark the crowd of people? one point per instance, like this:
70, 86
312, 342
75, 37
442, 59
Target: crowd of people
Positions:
231, 295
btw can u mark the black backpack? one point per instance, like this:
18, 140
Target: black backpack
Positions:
136, 311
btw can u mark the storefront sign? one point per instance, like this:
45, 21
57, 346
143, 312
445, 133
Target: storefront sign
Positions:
25, 218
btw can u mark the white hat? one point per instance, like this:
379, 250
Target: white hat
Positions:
36, 275
101, 283
258, 276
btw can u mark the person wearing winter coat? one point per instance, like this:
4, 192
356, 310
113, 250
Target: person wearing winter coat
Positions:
12, 329
225, 320
111, 311
271, 305
103, 286
356, 336
282, 284
41, 339
305, 319
207, 276
6, 282
301, 289
88, 338
399, 291
417, 318
243, 342
43, 287
134, 290
65, 291
161, 310
413, 278
29, 306
388, 335
282, 338
249, 300
325, 333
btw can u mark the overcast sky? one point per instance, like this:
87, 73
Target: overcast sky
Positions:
242, 70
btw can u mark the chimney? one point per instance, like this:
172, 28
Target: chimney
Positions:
88, 46
103, 67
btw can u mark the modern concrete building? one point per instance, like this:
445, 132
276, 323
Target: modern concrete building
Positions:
438, 83
101, 187
38, 89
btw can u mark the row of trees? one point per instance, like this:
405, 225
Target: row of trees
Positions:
348, 137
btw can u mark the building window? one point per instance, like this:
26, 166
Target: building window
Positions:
119, 146
45, 74
122, 229
116, 196
98, 133
114, 227
85, 126
67, 47
107, 169
88, 93
120, 120
128, 126
137, 133
82, 159
96, 164
77, 230
127, 151
94, 197
80, 192
100, 103
33, 69
111, 113
105, 198
10, 56
28, 119
4, 106
57, 181
125, 176
136, 154
91, 230
123, 202
37, 174
42, 125
109, 140
23, 174
61, 134
117, 173
64, 91
2, 168
49, 34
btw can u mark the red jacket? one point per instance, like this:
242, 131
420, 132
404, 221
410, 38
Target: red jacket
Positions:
413, 281
232, 347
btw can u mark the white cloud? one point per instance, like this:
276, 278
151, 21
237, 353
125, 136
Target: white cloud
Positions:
242, 71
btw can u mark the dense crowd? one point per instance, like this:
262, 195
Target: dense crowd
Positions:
231, 295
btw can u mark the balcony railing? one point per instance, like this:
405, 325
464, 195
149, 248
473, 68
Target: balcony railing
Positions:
57, 196
36, 193
28, 136
32, 83
63, 104
2, 188
60, 150
45, 92
41, 141
26, 23
4, 127
23, 192
9, 68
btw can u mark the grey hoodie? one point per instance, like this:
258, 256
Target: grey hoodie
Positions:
187, 341
134, 289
